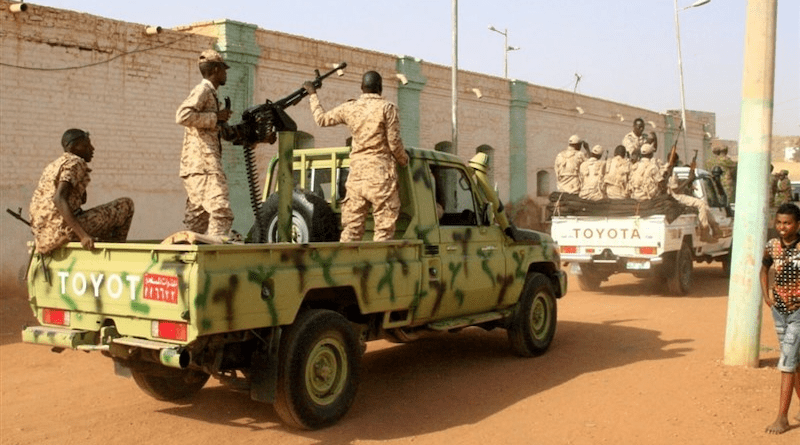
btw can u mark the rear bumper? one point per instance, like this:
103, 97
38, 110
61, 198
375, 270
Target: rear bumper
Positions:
58, 337
169, 354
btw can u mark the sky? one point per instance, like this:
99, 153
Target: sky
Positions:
620, 50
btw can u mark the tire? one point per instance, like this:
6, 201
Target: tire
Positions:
679, 271
312, 220
726, 265
533, 323
318, 370
588, 280
170, 384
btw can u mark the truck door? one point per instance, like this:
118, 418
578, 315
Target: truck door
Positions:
472, 260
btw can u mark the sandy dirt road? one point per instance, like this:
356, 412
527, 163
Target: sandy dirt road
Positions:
628, 366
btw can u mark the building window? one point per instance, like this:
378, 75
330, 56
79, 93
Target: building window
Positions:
542, 183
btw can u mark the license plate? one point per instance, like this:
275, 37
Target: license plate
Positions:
637, 264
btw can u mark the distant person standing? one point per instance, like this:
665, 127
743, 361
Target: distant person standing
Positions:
208, 208
784, 301
376, 152
634, 140
618, 171
593, 171
567, 166
728, 167
783, 189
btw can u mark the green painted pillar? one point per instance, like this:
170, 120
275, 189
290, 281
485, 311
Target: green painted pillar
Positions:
408, 95
518, 140
236, 42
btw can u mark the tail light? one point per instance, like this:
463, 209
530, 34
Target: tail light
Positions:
569, 249
55, 316
647, 250
169, 330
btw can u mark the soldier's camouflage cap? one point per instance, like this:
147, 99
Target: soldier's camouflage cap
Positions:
574, 139
210, 55
647, 149
597, 149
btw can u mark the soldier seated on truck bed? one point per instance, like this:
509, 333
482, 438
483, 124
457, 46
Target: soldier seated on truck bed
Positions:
679, 191
56, 216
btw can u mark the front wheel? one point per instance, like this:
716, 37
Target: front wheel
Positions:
170, 384
533, 323
318, 371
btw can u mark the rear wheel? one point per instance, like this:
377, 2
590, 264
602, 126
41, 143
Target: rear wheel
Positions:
170, 384
679, 271
533, 323
318, 370
726, 265
589, 280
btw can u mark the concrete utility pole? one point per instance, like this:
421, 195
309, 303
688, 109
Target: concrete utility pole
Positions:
742, 334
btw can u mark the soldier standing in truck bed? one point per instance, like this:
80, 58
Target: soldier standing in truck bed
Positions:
208, 208
56, 215
376, 152
634, 140
567, 166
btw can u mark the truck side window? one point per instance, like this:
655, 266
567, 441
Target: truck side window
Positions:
453, 192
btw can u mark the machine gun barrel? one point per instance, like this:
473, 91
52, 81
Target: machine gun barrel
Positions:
261, 122
299, 94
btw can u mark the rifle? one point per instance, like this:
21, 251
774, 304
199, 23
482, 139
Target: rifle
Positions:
18, 215
261, 122
672, 159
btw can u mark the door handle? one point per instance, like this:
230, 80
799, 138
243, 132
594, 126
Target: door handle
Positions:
488, 248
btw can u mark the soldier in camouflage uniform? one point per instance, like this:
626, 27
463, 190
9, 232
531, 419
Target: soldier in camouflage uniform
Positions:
618, 173
208, 209
376, 152
714, 160
567, 166
634, 140
56, 216
728, 178
593, 172
646, 176
783, 189
710, 230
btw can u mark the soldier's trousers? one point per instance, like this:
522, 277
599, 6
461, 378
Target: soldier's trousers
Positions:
108, 222
370, 182
703, 212
208, 207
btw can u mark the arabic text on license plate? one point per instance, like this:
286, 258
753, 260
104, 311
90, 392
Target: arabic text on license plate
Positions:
638, 264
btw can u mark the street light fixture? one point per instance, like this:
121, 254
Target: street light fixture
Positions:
507, 48
680, 65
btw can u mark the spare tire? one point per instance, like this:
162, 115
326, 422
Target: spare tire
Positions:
312, 220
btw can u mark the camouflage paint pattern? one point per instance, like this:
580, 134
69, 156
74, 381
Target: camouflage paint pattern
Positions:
432, 272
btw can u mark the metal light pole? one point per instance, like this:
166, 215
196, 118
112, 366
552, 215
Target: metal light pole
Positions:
454, 79
680, 67
506, 48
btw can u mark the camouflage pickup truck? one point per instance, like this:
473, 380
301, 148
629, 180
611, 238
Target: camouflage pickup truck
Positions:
288, 322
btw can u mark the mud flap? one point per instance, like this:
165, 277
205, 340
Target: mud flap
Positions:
264, 369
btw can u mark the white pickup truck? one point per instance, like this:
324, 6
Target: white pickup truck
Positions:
662, 241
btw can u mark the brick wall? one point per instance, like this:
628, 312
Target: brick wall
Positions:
130, 84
